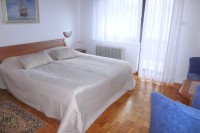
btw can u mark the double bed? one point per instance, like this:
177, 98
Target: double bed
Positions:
75, 91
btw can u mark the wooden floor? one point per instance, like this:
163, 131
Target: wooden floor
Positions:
129, 114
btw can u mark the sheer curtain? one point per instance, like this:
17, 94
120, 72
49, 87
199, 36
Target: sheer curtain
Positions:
160, 40
117, 20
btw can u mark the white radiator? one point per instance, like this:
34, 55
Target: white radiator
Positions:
111, 52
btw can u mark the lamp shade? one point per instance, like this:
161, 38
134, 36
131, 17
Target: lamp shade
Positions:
67, 34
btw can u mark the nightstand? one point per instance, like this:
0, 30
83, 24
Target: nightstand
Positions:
81, 50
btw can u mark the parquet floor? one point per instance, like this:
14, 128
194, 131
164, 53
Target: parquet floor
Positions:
129, 114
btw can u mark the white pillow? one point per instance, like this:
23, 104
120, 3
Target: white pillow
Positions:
65, 53
48, 51
34, 60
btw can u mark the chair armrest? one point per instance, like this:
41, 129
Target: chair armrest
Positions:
196, 99
194, 65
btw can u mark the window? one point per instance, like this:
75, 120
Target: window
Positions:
156, 31
156, 21
160, 39
122, 21
117, 20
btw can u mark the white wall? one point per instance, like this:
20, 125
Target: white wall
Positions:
56, 16
190, 38
86, 36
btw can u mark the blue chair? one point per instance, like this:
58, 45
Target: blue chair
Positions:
168, 116
194, 68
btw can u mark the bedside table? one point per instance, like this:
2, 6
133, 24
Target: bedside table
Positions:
81, 50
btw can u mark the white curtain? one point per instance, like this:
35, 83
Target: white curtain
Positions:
117, 20
160, 40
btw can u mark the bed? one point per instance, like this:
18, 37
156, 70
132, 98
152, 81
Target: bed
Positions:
75, 91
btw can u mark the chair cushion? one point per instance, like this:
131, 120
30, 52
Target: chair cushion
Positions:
194, 76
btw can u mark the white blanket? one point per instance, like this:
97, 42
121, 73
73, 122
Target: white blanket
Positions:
75, 91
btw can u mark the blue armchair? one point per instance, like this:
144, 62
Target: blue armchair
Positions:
168, 116
194, 68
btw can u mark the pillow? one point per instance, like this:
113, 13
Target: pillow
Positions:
65, 53
34, 60
48, 51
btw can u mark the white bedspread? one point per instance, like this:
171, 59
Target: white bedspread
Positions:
74, 91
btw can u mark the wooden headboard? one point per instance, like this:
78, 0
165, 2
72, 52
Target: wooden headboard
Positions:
29, 48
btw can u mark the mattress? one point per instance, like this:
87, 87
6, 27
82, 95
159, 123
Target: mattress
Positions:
75, 91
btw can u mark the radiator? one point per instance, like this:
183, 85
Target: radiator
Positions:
111, 52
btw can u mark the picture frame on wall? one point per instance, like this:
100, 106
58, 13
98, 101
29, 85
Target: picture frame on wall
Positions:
20, 11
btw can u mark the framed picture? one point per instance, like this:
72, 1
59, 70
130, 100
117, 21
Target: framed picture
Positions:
20, 11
